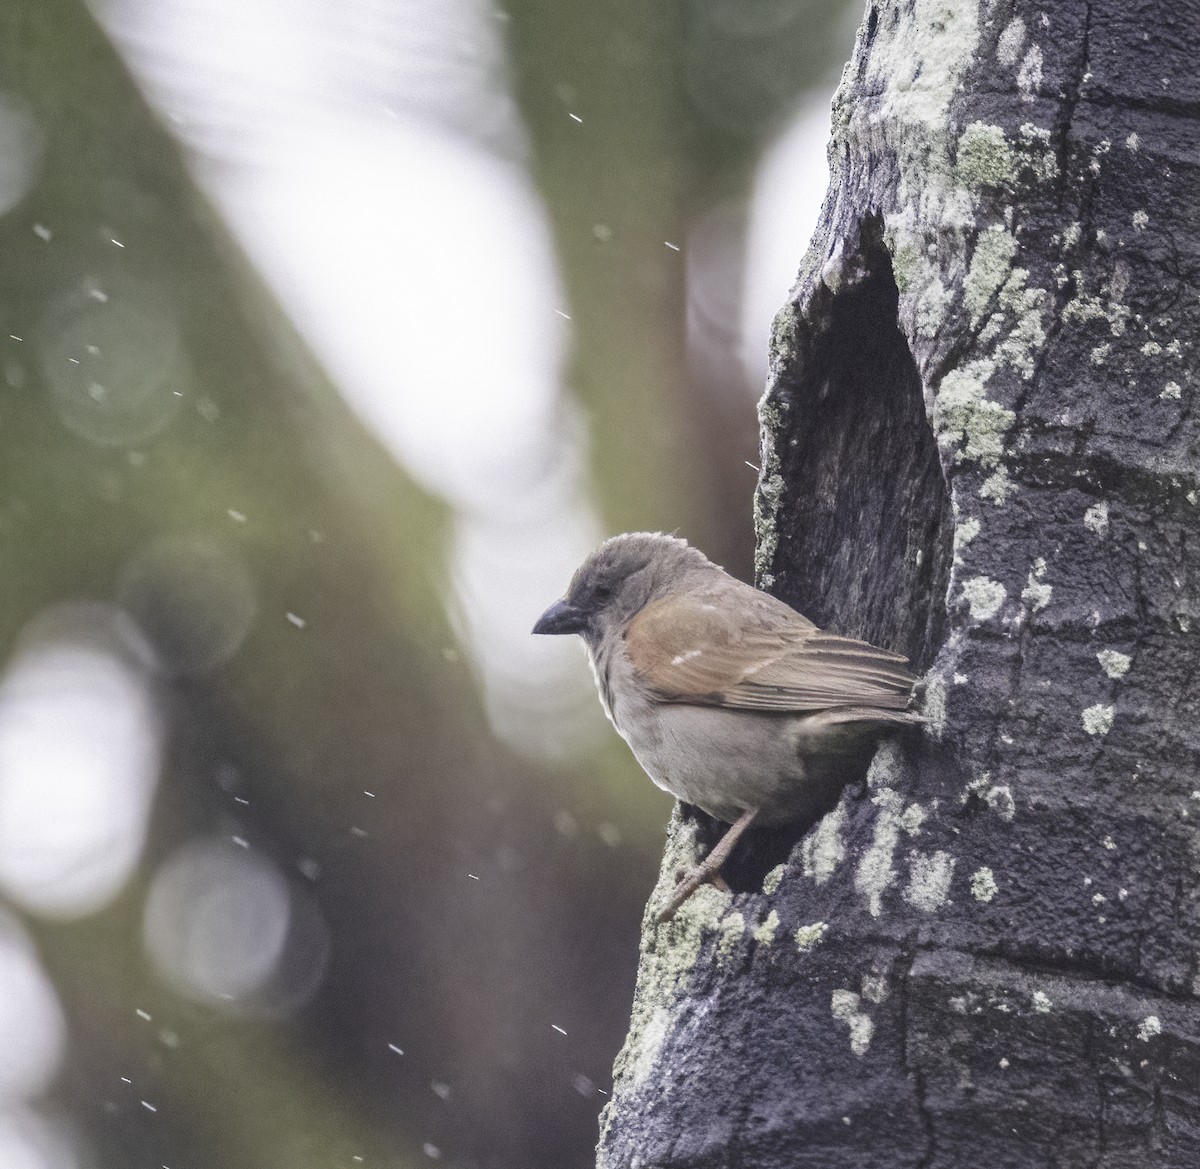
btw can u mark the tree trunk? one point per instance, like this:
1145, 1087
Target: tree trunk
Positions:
981, 448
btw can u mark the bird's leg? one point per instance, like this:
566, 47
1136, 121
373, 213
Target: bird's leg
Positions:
709, 869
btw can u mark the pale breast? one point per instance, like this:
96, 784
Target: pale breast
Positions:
720, 760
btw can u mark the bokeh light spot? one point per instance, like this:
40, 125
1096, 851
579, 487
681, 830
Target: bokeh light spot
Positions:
79, 760
192, 599
32, 1030
115, 367
219, 925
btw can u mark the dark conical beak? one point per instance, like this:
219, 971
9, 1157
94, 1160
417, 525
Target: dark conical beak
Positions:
562, 617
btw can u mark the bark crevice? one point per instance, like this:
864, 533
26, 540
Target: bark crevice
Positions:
876, 563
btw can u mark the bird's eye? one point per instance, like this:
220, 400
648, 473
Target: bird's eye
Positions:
603, 593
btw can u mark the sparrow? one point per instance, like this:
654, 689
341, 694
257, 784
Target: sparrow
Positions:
730, 699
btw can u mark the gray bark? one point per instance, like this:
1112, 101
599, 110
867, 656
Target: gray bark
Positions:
981, 448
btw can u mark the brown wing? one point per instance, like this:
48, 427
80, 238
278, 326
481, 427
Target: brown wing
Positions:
740, 648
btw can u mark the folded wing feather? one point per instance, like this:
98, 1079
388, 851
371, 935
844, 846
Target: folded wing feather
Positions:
748, 651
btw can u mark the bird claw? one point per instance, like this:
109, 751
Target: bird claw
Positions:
687, 881
708, 869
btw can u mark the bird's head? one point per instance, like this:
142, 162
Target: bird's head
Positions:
619, 579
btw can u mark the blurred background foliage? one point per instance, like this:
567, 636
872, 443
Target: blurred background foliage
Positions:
309, 855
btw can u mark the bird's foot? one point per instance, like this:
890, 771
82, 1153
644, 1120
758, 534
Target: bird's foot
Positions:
709, 869
687, 881
714, 879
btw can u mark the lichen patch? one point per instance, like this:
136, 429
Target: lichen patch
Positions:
984, 597
912, 819
985, 158
846, 1007
1011, 42
1095, 519
1037, 593
876, 872
966, 420
729, 933
1098, 719
964, 532
983, 884
1000, 799
997, 486
1029, 76
764, 935
929, 880
772, 880
808, 936
875, 987
1114, 663
823, 849
991, 264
